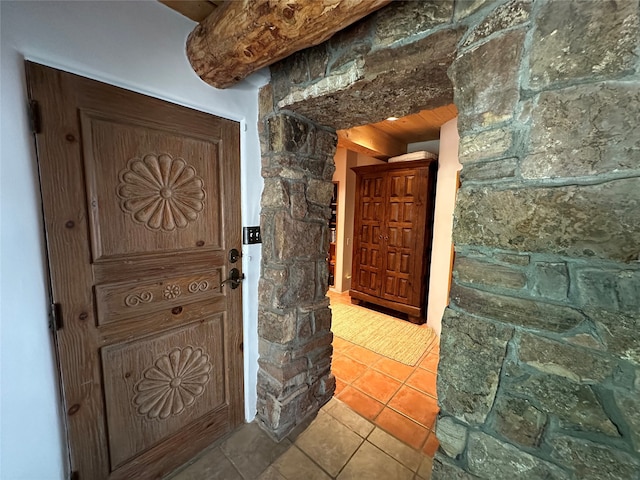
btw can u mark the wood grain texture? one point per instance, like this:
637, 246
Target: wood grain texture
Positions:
240, 37
392, 235
139, 294
390, 138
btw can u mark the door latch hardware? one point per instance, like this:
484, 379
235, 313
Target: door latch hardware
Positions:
234, 255
235, 278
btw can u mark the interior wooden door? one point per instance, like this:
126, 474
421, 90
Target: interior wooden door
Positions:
404, 236
141, 208
368, 237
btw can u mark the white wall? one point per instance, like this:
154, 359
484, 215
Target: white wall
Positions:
446, 188
136, 45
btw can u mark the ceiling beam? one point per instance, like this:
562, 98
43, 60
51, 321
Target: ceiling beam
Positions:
196, 10
371, 141
240, 37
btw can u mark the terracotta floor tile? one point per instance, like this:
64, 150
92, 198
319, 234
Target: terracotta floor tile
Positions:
364, 355
378, 385
431, 445
341, 345
394, 369
347, 369
339, 386
430, 362
363, 404
415, 404
424, 381
402, 428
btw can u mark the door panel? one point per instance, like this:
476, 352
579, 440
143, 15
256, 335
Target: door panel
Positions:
140, 205
405, 232
175, 377
145, 204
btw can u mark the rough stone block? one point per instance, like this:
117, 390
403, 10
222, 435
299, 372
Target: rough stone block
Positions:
616, 290
451, 435
290, 134
519, 421
601, 221
319, 192
505, 16
317, 60
468, 376
486, 81
445, 470
480, 172
629, 406
619, 332
301, 288
484, 145
551, 280
465, 8
516, 311
575, 39
274, 194
584, 131
349, 43
556, 358
388, 80
296, 239
512, 258
265, 102
586, 340
490, 458
279, 328
470, 270
297, 199
401, 20
592, 461
575, 405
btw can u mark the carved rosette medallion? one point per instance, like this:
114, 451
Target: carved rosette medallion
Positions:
160, 192
172, 291
172, 383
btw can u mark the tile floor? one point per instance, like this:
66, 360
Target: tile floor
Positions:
337, 444
379, 425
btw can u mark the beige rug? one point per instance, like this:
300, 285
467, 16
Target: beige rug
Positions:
397, 339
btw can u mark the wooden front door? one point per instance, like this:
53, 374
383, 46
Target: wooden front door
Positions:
141, 209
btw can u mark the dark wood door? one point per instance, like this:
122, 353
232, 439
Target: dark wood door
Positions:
368, 244
392, 238
404, 236
141, 207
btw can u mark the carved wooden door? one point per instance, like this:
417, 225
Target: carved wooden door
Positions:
368, 238
404, 236
141, 210
392, 235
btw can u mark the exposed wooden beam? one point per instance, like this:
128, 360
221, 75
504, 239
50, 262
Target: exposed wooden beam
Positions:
196, 10
371, 141
240, 37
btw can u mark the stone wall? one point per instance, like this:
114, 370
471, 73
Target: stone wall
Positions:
540, 351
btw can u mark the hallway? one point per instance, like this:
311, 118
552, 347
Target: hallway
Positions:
398, 398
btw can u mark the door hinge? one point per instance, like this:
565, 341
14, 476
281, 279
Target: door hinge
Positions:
35, 118
55, 317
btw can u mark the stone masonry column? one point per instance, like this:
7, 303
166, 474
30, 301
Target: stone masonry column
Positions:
294, 320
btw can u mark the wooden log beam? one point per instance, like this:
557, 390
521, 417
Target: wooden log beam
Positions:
240, 37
